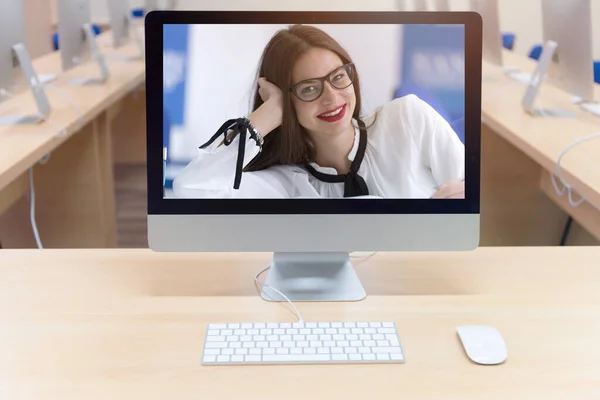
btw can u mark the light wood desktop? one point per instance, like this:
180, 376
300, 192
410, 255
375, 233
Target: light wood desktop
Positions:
74, 190
519, 151
130, 324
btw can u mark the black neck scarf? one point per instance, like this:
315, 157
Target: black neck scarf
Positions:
354, 184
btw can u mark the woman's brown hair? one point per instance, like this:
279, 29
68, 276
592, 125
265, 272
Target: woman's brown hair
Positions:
289, 143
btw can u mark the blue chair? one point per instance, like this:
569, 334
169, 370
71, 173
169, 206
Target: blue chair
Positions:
535, 52
597, 72
137, 13
95, 28
508, 40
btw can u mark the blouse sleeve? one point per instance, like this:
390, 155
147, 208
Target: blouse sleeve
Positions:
441, 149
211, 174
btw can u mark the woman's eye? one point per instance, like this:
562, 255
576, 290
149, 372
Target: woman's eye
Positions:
308, 89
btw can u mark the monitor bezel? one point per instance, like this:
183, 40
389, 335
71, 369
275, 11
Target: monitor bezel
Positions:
159, 205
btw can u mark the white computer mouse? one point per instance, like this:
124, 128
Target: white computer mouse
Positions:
483, 344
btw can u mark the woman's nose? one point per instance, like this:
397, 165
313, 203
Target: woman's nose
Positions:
329, 93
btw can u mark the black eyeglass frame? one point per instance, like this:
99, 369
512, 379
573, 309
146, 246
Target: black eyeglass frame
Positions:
351, 73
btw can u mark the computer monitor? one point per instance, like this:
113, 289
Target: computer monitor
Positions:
412, 5
569, 24
317, 163
120, 21
14, 59
77, 41
442, 5
492, 39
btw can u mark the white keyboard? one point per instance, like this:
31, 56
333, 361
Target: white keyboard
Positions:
302, 343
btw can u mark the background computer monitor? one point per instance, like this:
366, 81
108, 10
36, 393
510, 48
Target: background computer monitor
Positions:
492, 39
442, 5
569, 24
311, 237
118, 11
16, 67
12, 31
73, 15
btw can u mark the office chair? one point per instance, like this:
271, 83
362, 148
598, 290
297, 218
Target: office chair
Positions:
508, 40
535, 52
95, 28
597, 72
137, 13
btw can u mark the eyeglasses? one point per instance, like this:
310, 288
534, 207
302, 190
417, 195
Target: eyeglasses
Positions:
311, 89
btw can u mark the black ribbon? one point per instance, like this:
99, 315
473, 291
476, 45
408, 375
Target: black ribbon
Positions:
239, 126
354, 184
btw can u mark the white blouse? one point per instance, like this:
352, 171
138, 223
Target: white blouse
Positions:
411, 150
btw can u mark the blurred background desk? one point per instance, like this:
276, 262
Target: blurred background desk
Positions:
75, 199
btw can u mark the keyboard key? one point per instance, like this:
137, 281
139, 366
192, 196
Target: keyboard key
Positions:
355, 357
296, 350
272, 325
309, 350
228, 352
363, 324
246, 338
356, 343
388, 324
275, 344
343, 343
324, 325
297, 358
350, 350
331, 331
391, 337
215, 339
237, 359
247, 326
299, 338
370, 331
212, 352
252, 358
385, 330
216, 345
227, 332
397, 357
262, 345
233, 338
364, 350
383, 357
370, 343
383, 343
279, 331
325, 337
266, 331
375, 324
339, 357
337, 350
349, 325
209, 359
260, 325
351, 337
292, 331
268, 351
338, 337
223, 358
248, 345
217, 326
311, 325
259, 338
272, 338
305, 331
289, 344
282, 350
285, 338
361, 337
369, 357
344, 331
241, 351
312, 337
235, 345
316, 343
214, 332
323, 350
302, 344
358, 331
386, 350
239, 332
253, 332
233, 326
379, 337
337, 325
285, 325
298, 325
329, 343
255, 351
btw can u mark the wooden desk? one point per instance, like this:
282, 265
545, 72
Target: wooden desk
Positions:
74, 190
129, 324
519, 151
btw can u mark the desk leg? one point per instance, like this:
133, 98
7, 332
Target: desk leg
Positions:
71, 202
514, 211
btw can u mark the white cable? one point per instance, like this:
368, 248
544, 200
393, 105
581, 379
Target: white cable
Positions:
300, 319
566, 186
36, 233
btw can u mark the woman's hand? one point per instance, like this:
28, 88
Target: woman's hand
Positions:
270, 114
450, 190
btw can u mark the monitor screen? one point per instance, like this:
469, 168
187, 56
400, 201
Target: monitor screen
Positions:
382, 84
256, 113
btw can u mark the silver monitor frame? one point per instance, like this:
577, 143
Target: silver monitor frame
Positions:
492, 37
569, 24
77, 41
120, 21
14, 55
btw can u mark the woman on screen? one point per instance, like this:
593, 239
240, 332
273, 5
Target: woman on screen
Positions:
306, 136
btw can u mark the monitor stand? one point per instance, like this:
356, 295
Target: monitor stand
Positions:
531, 93
97, 56
139, 40
313, 277
36, 87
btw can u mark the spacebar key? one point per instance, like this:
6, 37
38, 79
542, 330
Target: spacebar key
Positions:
295, 357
